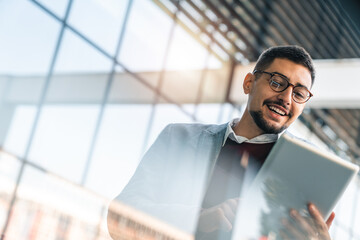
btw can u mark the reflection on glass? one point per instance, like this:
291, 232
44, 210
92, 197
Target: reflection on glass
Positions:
62, 139
118, 148
27, 38
9, 167
99, 20
50, 208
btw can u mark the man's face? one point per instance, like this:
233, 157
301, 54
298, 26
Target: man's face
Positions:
271, 111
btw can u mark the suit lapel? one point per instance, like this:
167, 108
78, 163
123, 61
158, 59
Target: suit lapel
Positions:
209, 147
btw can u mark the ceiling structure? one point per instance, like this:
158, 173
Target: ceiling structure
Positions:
237, 31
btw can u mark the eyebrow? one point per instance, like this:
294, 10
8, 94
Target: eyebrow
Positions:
297, 84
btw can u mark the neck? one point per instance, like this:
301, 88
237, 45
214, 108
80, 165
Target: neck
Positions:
247, 127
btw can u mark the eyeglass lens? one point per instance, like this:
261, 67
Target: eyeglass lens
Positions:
278, 84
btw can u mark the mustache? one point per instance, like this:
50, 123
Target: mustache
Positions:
280, 103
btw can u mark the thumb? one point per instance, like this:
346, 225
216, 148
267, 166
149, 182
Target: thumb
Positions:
330, 220
225, 224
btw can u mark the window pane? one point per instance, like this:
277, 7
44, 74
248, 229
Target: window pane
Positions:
146, 37
99, 20
121, 137
62, 139
184, 73
58, 7
185, 52
81, 74
118, 147
77, 56
27, 38
20, 128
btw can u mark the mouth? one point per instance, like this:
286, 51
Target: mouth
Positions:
278, 110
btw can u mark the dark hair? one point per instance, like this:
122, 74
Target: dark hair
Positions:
293, 53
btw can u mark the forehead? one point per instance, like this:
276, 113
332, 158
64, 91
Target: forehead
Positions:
296, 73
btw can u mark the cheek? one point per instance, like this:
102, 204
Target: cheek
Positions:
297, 112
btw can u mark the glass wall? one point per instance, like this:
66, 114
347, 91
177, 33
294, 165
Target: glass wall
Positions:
85, 88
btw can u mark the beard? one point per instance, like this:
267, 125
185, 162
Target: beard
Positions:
258, 118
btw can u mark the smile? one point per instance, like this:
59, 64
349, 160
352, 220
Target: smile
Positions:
276, 110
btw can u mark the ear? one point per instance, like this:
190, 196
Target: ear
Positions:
248, 82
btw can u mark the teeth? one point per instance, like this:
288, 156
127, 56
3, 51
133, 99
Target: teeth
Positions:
277, 110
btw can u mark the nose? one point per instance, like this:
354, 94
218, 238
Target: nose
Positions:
286, 95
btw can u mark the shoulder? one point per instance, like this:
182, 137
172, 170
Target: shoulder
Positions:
194, 128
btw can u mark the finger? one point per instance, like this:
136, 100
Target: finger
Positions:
318, 219
209, 219
295, 233
233, 203
229, 213
330, 220
225, 224
302, 223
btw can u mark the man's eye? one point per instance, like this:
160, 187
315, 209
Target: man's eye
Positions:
300, 94
276, 83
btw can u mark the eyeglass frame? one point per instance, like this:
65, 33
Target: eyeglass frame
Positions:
289, 84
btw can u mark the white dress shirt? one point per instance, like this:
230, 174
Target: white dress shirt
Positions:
264, 138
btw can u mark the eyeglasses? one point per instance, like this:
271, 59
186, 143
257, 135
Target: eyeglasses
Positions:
279, 83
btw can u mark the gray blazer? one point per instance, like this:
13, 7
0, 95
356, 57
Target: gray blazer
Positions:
171, 179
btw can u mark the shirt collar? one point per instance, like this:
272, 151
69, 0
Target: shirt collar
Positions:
264, 138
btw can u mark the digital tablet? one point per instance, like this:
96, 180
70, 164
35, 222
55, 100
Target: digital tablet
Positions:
294, 174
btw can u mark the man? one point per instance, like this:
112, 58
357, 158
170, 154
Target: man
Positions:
192, 175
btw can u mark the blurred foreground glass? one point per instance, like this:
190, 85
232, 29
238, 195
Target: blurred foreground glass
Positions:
65, 212
9, 167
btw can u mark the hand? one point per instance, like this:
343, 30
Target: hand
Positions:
218, 217
314, 228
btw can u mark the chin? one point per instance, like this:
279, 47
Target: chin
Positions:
264, 125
